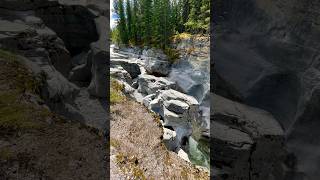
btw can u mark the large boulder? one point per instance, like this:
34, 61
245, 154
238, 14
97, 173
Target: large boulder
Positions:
132, 68
120, 74
149, 84
176, 106
169, 139
35, 41
157, 67
156, 62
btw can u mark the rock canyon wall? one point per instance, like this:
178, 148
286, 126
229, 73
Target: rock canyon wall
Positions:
266, 55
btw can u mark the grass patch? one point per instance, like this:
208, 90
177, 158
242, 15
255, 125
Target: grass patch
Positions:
182, 36
115, 143
17, 76
17, 115
116, 95
129, 164
16, 112
156, 118
167, 159
173, 54
184, 173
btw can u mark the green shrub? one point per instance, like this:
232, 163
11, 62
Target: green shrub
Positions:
181, 36
116, 94
173, 54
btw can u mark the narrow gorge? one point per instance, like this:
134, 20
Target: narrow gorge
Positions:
177, 92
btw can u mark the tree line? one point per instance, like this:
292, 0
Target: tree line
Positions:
154, 22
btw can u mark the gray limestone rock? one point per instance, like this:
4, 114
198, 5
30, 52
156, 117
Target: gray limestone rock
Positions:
157, 67
253, 134
149, 84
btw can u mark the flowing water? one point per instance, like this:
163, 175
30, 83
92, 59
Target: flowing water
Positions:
192, 74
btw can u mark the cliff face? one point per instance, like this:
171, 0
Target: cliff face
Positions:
63, 42
266, 55
67, 41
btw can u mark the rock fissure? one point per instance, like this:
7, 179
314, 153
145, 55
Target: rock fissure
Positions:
159, 90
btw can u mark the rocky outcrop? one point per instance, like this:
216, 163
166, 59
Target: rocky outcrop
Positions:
132, 68
37, 45
149, 84
157, 67
268, 57
65, 42
121, 74
156, 62
245, 140
191, 71
179, 112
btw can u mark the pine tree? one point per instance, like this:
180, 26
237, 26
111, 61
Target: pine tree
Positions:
193, 23
205, 15
129, 21
135, 22
122, 23
154, 22
157, 22
168, 23
175, 16
147, 21
185, 5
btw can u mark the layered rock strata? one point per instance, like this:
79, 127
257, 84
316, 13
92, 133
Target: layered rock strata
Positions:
65, 41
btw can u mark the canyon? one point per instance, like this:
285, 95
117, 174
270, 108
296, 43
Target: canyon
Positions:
265, 56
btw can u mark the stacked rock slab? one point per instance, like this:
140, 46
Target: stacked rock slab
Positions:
178, 111
149, 84
247, 142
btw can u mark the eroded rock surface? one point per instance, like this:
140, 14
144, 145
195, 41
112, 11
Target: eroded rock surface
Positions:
66, 43
246, 140
266, 55
149, 84
179, 112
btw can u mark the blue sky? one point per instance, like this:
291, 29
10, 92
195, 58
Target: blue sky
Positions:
113, 16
